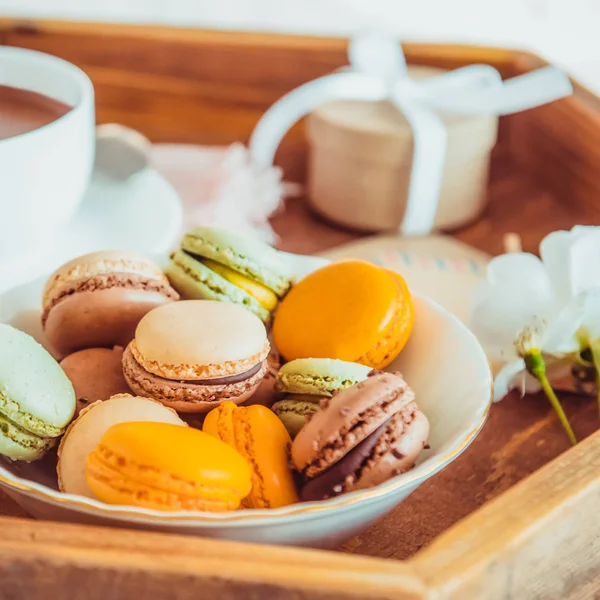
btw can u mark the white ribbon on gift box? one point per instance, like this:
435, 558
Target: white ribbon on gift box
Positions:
377, 72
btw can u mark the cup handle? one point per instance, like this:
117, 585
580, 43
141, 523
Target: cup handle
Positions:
121, 151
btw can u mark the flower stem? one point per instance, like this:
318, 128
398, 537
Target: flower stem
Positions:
595, 349
537, 367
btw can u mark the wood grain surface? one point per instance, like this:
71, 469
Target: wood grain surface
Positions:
536, 539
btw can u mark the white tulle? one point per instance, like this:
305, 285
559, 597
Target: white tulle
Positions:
557, 296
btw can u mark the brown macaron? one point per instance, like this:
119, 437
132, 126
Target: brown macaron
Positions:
96, 374
360, 438
98, 299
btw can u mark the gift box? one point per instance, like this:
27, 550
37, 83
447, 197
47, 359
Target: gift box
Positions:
399, 149
360, 163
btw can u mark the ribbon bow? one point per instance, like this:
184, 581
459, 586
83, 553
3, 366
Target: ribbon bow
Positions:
378, 72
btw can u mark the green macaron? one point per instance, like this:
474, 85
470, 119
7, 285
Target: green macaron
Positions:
37, 400
319, 376
218, 264
304, 382
294, 410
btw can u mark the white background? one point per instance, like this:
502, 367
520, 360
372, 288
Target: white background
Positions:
565, 31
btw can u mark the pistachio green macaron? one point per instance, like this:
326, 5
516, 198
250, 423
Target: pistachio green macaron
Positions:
319, 376
37, 400
223, 265
304, 382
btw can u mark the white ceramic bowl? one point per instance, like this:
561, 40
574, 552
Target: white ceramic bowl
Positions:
444, 364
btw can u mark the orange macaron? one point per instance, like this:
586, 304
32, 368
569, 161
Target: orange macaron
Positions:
350, 310
260, 437
167, 467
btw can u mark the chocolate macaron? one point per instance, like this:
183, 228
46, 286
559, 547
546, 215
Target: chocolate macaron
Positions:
360, 438
96, 374
194, 354
97, 300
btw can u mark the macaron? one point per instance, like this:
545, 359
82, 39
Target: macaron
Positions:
96, 374
85, 432
265, 394
361, 437
260, 437
305, 381
37, 400
218, 264
97, 300
295, 410
166, 467
350, 310
194, 354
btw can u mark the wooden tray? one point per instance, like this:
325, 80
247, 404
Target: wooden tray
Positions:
469, 532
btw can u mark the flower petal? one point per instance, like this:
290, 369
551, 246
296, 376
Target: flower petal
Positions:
519, 269
560, 336
584, 262
554, 250
591, 320
504, 381
499, 314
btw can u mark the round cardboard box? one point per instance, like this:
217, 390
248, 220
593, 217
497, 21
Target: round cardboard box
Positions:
361, 158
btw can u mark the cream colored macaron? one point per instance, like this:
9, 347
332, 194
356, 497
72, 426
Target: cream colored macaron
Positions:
84, 434
194, 354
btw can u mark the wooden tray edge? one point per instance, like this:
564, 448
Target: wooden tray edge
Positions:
495, 553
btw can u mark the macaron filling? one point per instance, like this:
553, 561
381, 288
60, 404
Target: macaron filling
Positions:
227, 380
261, 293
194, 279
110, 281
336, 479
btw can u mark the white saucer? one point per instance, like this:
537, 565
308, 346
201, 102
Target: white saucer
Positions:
138, 210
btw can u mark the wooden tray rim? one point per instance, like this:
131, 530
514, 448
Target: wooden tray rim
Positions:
485, 555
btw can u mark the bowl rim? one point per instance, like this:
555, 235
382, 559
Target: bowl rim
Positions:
299, 511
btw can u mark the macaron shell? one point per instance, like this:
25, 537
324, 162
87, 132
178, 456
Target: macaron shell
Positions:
346, 310
263, 440
19, 444
164, 466
199, 339
187, 396
100, 263
85, 432
293, 412
394, 454
350, 416
193, 280
96, 374
319, 376
98, 318
397, 333
35, 393
241, 253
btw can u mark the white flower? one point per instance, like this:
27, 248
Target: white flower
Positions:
553, 297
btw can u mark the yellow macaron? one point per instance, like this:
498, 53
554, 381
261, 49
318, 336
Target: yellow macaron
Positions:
350, 310
167, 467
261, 438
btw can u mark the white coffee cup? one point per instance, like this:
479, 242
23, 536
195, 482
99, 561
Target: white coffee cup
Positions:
43, 173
